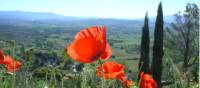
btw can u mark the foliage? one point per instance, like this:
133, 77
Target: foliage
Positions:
144, 57
182, 36
182, 42
158, 47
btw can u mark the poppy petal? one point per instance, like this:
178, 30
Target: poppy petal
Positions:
85, 49
1, 57
153, 83
107, 53
14, 66
141, 74
94, 31
7, 60
122, 76
99, 70
71, 51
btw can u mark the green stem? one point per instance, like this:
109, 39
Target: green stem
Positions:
137, 80
109, 82
13, 55
62, 83
102, 73
54, 76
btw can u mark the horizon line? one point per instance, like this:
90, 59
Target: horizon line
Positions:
83, 17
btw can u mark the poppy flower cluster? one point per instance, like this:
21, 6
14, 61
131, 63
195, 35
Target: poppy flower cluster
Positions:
146, 81
90, 45
114, 70
111, 70
11, 65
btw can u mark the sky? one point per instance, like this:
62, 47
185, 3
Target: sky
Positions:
120, 9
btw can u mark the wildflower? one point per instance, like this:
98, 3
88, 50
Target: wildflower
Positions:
90, 45
1, 57
146, 81
7, 60
13, 66
111, 70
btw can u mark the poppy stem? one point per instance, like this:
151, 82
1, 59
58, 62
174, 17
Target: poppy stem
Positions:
138, 75
102, 73
109, 83
13, 55
62, 82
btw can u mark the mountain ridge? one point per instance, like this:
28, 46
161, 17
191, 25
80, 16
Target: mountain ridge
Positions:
13, 17
50, 15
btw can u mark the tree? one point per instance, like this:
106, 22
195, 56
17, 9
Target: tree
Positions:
182, 36
144, 54
158, 47
182, 40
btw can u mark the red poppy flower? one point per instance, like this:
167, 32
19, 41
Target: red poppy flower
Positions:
89, 45
146, 81
1, 57
128, 83
7, 60
111, 70
13, 66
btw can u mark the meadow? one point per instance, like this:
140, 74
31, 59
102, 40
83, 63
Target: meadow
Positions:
27, 40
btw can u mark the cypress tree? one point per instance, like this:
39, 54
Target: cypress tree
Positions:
144, 53
158, 47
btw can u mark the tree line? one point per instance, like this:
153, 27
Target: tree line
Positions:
181, 37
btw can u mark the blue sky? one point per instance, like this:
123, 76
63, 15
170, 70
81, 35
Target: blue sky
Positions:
121, 9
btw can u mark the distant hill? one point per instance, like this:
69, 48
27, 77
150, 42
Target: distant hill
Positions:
13, 17
30, 16
167, 19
